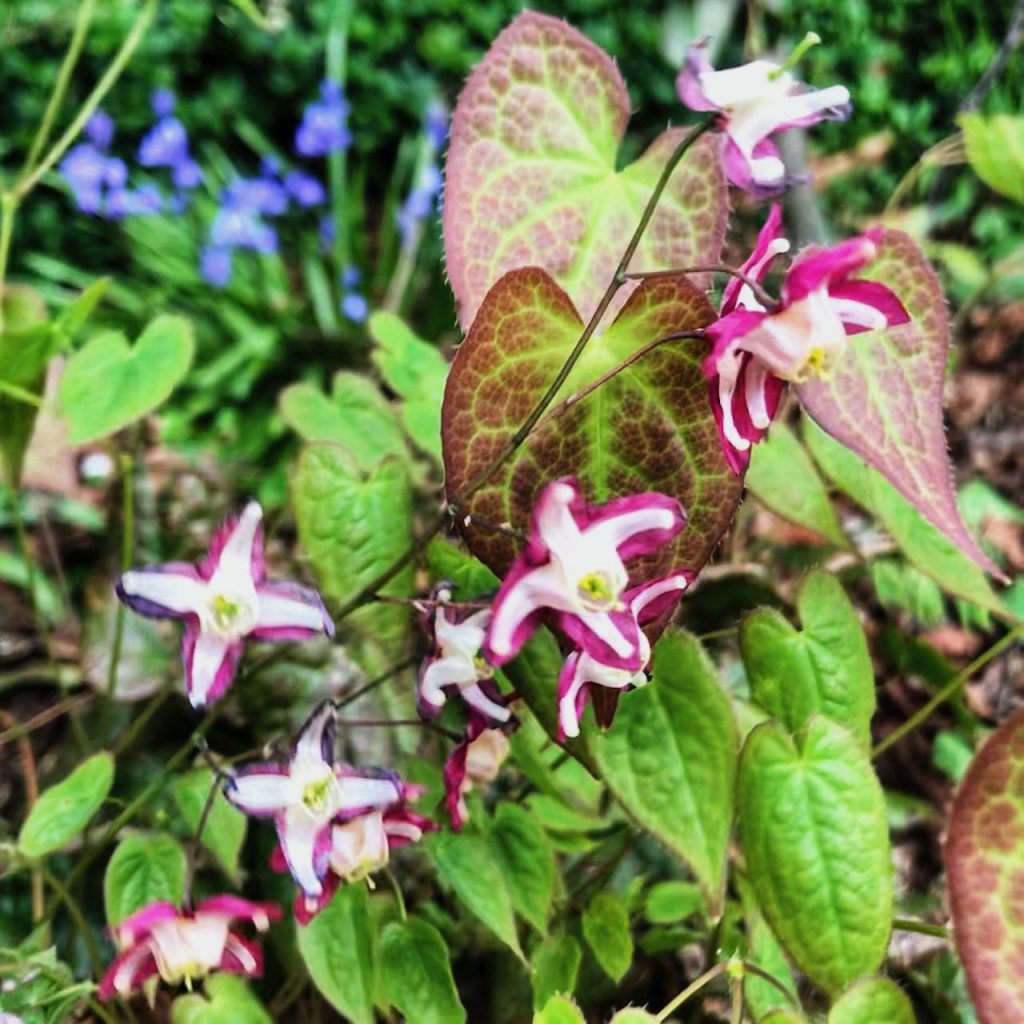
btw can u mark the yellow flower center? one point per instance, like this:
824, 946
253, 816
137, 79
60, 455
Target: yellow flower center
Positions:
225, 611
315, 794
597, 593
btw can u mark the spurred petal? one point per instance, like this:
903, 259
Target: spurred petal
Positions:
306, 907
306, 844
172, 591
237, 546
439, 673
688, 83
866, 305
519, 606
139, 925
241, 956
572, 697
289, 612
211, 662
454, 781
129, 972
650, 601
636, 525
238, 909
261, 791
479, 701
770, 244
314, 747
818, 267
364, 792
759, 171
611, 637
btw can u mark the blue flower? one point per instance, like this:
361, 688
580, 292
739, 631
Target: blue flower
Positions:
215, 265
304, 188
237, 227
436, 125
324, 127
186, 174
327, 232
355, 307
163, 102
89, 174
99, 130
350, 277
260, 195
164, 145
139, 202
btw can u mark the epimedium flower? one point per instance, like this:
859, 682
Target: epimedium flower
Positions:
223, 601
755, 351
359, 848
474, 761
755, 101
572, 573
455, 663
581, 671
161, 940
307, 796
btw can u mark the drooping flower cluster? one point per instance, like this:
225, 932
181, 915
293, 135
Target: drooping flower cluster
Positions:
756, 101
326, 813
163, 941
755, 351
224, 601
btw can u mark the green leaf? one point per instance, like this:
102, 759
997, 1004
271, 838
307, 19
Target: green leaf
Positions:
554, 966
634, 1016
873, 1001
466, 862
824, 669
922, 543
356, 416
144, 869
224, 832
416, 974
883, 399
532, 173
649, 427
983, 854
74, 316
338, 948
813, 830
226, 999
527, 861
995, 149
899, 585
559, 1010
670, 759
783, 477
667, 902
448, 561
62, 811
764, 951
108, 384
606, 929
415, 370
24, 356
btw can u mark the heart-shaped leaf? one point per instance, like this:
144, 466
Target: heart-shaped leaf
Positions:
606, 929
224, 832
555, 964
521, 848
355, 415
873, 1001
985, 867
813, 830
144, 869
559, 1010
226, 999
823, 669
108, 383
670, 759
416, 974
884, 401
649, 427
531, 175
995, 149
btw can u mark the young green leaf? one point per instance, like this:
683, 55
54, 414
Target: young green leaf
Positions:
984, 853
554, 966
527, 861
62, 811
823, 669
606, 929
649, 427
884, 399
338, 948
668, 902
670, 759
466, 862
923, 544
108, 384
559, 1010
224, 832
812, 827
143, 869
356, 416
995, 150
416, 975
764, 951
902, 586
226, 999
631, 1015
532, 179
783, 478
448, 561
872, 1001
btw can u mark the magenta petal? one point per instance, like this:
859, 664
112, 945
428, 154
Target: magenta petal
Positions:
567, 684
525, 620
874, 294
728, 331
818, 267
306, 908
454, 779
583, 636
315, 741
651, 600
251, 538
241, 956
290, 612
142, 922
760, 260
132, 968
740, 171
688, 86
629, 541
235, 907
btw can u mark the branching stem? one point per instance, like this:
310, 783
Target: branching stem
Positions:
762, 296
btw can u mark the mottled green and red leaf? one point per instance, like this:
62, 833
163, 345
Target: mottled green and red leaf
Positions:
531, 176
985, 868
884, 401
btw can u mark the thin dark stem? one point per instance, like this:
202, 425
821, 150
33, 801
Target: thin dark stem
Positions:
428, 602
127, 555
66, 706
904, 924
155, 704
350, 695
692, 989
197, 839
517, 439
486, 524
388, 723
766, 300
81, 925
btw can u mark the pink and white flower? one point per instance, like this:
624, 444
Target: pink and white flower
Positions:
755, 351
308, 795
223, 601
456, 663
572, 573
583, 671
185, 945
755, 101
361, 847
475, 761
